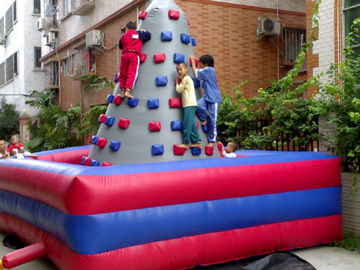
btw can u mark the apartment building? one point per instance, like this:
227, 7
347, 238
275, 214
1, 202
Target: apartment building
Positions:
20, 51
228, 30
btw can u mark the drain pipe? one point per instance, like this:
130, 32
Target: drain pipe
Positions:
24, 255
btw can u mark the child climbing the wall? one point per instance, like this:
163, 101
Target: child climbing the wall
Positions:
130, 44
185, 87
208, 105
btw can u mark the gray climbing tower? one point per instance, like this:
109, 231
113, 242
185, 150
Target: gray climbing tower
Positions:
145, 129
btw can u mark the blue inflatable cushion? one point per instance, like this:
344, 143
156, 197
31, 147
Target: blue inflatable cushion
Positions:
157, 149
176, 125
161, 80
185, 38
179, 58
196, 82
166, 36
115, 145
133, 102
153, 103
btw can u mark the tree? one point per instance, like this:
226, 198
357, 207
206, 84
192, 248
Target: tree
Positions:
9, 120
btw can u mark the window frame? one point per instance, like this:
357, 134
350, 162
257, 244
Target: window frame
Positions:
348, 8
35, 7
301, 31
36, 59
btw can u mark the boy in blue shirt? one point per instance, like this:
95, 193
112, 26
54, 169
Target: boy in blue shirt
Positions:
208, 105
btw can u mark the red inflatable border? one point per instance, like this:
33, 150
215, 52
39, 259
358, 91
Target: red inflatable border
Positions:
92, 194
186, 252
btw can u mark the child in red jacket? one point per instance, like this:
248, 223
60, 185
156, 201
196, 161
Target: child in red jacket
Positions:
130, 44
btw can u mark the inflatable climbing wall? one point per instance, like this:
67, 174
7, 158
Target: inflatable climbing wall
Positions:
145, 128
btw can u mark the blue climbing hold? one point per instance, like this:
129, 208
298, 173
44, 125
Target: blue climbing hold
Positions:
133, 102
115, 145
94, 139
153, 103
157, 149
193, 41
109, 121
176, 125
205, 128
185, 38
95, 162
110, 98
179, 58
166, 36
195, 151
161, 80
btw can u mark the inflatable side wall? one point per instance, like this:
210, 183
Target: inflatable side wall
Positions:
171, 215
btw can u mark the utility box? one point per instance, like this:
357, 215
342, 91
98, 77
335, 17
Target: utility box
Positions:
93, 39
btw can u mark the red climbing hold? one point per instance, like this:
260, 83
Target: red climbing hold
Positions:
87, 161
209, 150
102, 118
142, 15
105, 164
174, 14
101, 142
143, 57
179, 151
154, 126
174, 102
196, 62
159, 57
117, 100
124, 123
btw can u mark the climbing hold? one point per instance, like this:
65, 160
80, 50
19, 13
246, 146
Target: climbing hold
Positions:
188, 21
114, 145
196, 62
105, 164
166, 36
153, 103
142, 14
209, 150
176, 125
94, 139
174, 14
116, 79
174, 102
185, 38
157, 149
220, 148
110, 98
94, 162
124, 123
117, 100
154, 125
109, 121
179, 151
143, 57
161, 80
159, 57
196, 82
101, 142
179, 58
86, 161
197, 125
133, 102
195, 151
102, 118
205, 128
193, 41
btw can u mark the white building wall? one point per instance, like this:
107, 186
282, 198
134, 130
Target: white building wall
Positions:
325, 46
22, 39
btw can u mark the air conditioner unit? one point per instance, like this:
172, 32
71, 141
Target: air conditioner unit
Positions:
268, 27
51, 39
93, 38
40, 23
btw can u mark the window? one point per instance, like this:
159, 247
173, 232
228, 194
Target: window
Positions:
2, 74
351, 12
11, 67
292, 42
66, 8
10, 18
2, 27
37, 56
37, 7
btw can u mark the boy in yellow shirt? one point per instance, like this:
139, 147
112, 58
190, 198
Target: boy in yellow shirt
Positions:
185, 87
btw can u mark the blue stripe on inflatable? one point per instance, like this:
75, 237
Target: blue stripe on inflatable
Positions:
71, 169
92, 234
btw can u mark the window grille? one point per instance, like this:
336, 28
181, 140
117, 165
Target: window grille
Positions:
37, 56
292, 42
37, 7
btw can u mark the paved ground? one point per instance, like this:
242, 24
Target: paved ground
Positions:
322, 258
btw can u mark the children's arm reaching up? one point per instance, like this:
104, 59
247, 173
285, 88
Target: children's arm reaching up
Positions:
193, 64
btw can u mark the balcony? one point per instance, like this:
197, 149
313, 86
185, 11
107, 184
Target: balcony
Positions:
81, 7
